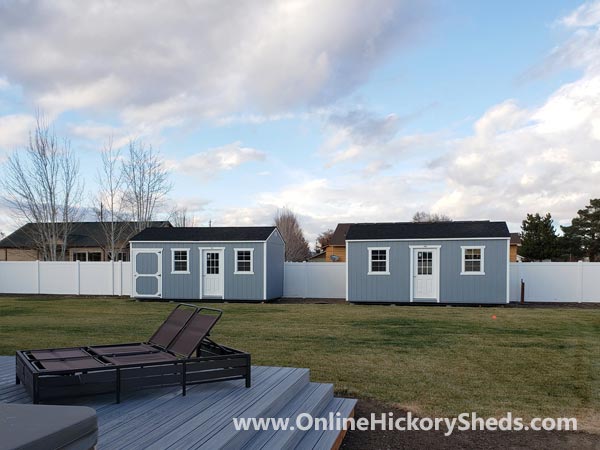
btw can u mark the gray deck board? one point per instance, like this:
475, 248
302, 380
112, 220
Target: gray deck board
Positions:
162, 418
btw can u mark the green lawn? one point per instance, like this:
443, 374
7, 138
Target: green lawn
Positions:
433, 360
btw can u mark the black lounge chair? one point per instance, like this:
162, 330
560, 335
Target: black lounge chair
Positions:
164, 360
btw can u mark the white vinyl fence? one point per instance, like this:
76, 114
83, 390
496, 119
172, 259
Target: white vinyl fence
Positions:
65, 278
556, 282
544, 282
314, 280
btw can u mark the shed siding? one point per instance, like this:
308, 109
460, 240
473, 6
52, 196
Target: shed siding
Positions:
187, 286
275, 261
244, 287
454, 287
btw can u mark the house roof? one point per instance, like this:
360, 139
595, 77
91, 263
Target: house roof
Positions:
83, 234
515, 239
427, 230
217, 234
339, 235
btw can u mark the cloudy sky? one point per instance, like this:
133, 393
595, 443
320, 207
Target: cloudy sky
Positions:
342, 110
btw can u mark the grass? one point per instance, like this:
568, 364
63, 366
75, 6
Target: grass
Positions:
438, 361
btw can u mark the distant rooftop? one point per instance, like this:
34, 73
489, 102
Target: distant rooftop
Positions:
83, 234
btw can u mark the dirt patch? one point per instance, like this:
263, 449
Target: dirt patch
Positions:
481, 440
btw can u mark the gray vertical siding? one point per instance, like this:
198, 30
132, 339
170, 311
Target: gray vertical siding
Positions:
453, 287
275, 261
244, 287
187, 286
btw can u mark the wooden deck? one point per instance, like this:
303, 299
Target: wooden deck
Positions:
164, 419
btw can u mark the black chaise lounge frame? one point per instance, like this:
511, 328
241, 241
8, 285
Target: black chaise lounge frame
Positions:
166, 359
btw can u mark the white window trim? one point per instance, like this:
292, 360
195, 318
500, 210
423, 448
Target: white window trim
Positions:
462, 264
235, 252
387, 260
180, 272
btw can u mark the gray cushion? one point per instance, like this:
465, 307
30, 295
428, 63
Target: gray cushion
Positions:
46, 427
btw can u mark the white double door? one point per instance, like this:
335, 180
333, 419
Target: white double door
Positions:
212, 273
425, 272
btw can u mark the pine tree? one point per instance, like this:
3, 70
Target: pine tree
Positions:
538, 238
582, 237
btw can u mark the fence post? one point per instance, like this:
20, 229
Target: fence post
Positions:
121, 277
112, 274
78, 277
305, 279
38, 276
580, 272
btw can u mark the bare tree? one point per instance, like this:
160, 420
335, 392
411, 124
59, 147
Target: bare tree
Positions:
180, 217
146, 182
296, 247
43, 187
422, 216
323, 240
109, 203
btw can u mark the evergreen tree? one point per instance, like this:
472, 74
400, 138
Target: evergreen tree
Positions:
538, 237
582, 237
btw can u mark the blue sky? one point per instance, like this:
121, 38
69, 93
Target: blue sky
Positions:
340, 110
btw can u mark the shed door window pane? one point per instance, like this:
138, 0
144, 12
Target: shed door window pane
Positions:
212, 263
472, 260
425, 263
378, 260
180, 261
244, 261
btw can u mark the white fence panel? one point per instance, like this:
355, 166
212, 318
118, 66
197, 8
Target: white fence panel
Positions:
96, 278
19, 277
314, 280
59, 278
123, 285
556, 281
65, 278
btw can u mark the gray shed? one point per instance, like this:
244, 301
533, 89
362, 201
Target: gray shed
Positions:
443, 262
227, 263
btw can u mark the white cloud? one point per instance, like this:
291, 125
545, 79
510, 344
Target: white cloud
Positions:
207, 164
365, 136
14, 130
586, 15
523, 161
166, 62
517, 160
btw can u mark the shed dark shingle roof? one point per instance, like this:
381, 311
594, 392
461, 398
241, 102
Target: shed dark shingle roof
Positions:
428, 230
220, 234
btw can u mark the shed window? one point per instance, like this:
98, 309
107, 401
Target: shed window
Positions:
473, 260
180, 260
244, 260
379, 260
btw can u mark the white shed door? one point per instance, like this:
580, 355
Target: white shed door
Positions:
147, 272
426, 278
212, 273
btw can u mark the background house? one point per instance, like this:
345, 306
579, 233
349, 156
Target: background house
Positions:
229, 263
87, 241
515, 244
444, 262
336, 250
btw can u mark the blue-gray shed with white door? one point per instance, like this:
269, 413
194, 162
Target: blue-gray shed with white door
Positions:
208, 263
441, 262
